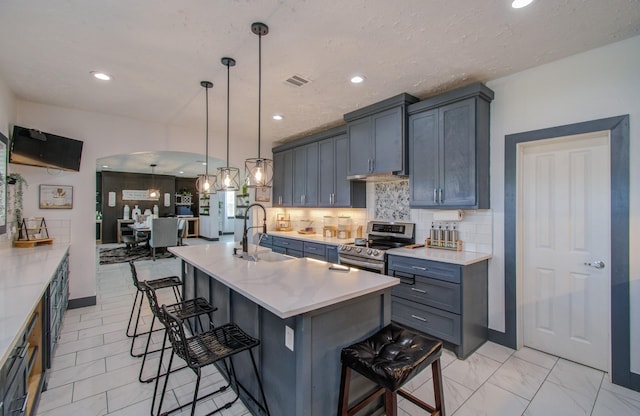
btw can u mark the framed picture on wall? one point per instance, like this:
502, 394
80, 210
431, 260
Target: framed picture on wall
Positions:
56, 197
263, 194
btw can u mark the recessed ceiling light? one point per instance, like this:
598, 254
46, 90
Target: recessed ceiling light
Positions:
204, 163
181, 172
519, 4
278, 117
357, 79
105, 166
100, 75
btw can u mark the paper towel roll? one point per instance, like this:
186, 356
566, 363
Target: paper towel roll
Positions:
450, 215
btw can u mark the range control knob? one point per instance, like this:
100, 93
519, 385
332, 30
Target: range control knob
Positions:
369, 251
376, 252
347, 248
359, 250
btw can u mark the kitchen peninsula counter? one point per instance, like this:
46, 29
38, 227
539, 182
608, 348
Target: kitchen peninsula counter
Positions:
302, 312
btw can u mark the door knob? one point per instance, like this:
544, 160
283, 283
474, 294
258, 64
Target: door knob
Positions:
595, 264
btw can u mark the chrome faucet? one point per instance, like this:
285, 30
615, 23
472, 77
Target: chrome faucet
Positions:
245, 229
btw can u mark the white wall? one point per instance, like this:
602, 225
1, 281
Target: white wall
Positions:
7, 108
600, 83
103, 135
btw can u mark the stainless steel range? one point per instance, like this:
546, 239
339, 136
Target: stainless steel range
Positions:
369, 253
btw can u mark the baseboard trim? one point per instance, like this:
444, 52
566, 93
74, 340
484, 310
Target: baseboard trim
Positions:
81, 302
501, 338
634, 381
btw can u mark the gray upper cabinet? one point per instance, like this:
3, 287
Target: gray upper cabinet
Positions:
335, 189
283, 178
377, 138
305, 175
316, 168
449, 150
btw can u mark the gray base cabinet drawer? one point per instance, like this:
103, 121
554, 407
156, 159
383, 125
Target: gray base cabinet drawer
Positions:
446, 301
435, 322
315, 250
443, 271
431, 292
288, 243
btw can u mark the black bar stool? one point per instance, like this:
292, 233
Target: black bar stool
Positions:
172, 282
219, 343
390, 358
184, 310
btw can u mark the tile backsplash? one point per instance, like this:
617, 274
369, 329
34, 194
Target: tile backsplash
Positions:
389, 201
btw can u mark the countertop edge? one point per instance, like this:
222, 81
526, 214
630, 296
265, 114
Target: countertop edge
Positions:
462, 258
45, 285
311, 238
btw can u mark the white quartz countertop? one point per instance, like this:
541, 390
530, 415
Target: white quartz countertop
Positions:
285, 288
463, 258
314, 238
24, 277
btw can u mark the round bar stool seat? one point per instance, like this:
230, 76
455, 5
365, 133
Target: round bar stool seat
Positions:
390, 358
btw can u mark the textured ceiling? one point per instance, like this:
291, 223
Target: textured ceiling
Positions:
159, 50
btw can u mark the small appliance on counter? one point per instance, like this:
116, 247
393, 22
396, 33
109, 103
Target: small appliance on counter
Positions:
330, 227
283, 222
344, 227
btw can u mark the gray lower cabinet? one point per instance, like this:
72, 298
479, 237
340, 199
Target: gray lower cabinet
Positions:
445, 301
283, 179
299, 248
58, 302
305, 175
449, 150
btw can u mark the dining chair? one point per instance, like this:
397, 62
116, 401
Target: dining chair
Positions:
163, 234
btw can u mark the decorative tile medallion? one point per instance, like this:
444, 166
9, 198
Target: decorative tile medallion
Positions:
392, 201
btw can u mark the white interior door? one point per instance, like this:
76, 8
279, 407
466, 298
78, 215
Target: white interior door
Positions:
565, 225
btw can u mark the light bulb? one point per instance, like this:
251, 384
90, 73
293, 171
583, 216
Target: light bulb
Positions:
206, 185
258, 173
227, 180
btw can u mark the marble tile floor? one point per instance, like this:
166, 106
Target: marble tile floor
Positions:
93, 373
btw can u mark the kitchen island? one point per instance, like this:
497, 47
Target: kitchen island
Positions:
302, 312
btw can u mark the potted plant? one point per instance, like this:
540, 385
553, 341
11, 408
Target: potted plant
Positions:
18, 191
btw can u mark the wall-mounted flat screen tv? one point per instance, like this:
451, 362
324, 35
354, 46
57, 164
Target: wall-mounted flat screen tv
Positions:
36, 148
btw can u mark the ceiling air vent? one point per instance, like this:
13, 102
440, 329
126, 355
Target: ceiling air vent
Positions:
296, 81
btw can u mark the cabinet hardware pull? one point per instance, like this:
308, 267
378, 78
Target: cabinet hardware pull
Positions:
435, 196
284, 243
440, 197
373, 165
419, 268
312, 248
418, 290
280, 199
419, 318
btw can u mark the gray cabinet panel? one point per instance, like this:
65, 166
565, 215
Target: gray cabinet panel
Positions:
388, 141
433, 321
283, 178
328, 173
305, 175
458, 154
423, 158
449, 150
360, 146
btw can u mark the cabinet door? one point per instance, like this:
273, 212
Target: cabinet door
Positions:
458, 154
278, 178
388, 141
305, 175
283, 178
360, 146
342, 193
423, 158
328, 172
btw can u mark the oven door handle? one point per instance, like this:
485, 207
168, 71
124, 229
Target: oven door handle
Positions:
362, 264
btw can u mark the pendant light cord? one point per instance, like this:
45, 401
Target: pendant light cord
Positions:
206, 146
228, 94
259, 88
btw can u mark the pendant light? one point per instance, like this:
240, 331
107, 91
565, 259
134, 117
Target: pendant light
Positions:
206, 183
259, 170
228, 177
153, 192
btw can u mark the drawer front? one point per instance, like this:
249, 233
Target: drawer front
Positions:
435, 322
288, 243
293, 252
266, 240
315, 250
434, 269
431, 292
